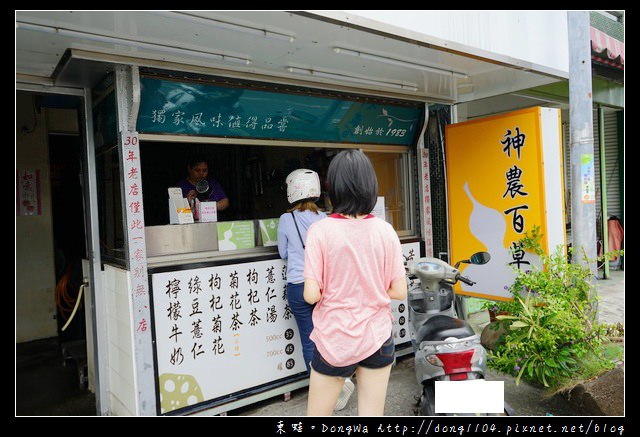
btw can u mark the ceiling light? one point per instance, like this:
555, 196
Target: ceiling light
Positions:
314, 72
227, 25
399, 62
132, 43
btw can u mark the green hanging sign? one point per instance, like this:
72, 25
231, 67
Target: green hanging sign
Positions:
169, 107
269, 231
235, 235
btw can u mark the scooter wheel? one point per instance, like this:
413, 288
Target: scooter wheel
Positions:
428, 400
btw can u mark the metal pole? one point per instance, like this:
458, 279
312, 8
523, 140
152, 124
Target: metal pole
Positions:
603, 190
583, 183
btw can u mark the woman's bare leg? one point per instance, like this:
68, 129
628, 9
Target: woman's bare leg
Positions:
323, 393
372, 390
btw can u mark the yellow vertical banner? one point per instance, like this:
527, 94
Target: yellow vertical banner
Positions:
496, 191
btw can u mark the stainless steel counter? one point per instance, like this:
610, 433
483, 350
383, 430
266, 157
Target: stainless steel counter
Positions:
181, 239
169, 245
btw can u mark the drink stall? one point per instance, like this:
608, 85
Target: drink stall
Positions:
209, 295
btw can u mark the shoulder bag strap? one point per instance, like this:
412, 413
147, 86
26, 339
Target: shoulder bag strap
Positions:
297, 229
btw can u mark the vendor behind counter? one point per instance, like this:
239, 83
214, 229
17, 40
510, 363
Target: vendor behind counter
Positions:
197, 170
248, 179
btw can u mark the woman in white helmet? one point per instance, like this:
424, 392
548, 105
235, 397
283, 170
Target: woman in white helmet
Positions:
303, 190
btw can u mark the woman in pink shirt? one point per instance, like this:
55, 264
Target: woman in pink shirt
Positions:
353, 268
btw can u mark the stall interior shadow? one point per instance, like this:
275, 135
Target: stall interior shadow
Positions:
251, 176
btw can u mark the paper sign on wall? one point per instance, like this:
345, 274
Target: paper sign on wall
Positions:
587, 178
28, 192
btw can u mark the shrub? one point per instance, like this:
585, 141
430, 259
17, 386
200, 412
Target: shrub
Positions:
551, 320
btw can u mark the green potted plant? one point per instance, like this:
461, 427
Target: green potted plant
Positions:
550, 324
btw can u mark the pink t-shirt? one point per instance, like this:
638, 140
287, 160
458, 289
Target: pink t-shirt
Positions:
354, 261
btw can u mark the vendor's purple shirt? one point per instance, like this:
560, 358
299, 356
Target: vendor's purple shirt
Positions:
217, 193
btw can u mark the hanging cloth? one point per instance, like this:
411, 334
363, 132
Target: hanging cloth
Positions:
616, 235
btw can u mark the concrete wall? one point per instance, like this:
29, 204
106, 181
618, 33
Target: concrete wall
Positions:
35, 268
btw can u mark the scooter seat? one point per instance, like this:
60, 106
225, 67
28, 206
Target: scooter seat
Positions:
439, 328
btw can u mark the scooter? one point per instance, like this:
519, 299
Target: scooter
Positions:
446, 348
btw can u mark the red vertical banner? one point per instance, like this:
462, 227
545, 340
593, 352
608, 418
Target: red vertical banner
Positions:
135, 232
426, 202
28, 192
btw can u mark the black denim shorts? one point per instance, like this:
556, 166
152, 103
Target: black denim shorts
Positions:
380, 358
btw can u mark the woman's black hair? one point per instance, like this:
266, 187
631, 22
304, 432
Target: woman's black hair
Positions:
353, 187
197, 159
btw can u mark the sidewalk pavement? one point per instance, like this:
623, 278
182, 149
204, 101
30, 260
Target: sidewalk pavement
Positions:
611, 294
403, 391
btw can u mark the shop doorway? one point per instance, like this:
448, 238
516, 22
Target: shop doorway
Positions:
68, 235
51, 367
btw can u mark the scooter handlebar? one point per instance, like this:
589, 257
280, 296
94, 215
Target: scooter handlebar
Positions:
465, 280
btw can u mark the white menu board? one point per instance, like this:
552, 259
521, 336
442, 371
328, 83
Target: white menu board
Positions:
220, 330
400, 308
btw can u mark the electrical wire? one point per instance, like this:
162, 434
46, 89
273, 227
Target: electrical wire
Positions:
84, 284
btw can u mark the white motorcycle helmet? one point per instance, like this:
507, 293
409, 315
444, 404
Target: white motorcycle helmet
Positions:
302, 184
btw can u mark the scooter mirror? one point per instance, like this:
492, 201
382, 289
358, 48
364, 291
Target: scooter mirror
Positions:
480, 258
